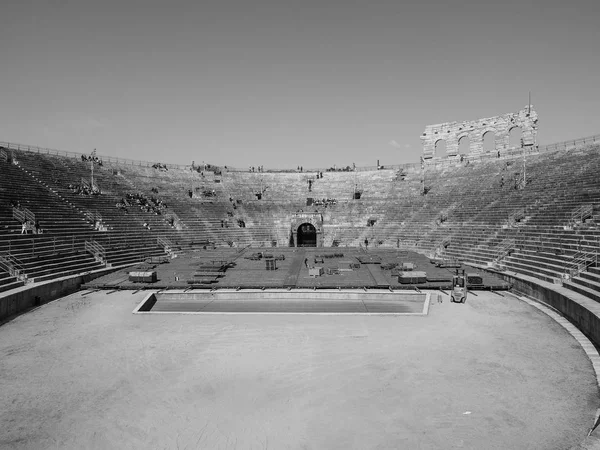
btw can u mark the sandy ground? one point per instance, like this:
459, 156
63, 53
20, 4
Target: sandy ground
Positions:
494, 373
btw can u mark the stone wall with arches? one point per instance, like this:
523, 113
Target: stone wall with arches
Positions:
449, 134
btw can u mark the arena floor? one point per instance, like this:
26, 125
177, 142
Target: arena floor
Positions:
494, 373
292, 270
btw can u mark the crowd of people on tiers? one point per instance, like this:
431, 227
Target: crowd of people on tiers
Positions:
92, 158
325, 202
84, 189
160, 166
149, 205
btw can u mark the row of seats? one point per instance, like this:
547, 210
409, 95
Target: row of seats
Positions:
466, 210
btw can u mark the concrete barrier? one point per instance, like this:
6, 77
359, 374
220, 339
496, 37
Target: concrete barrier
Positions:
581, 311
19, 300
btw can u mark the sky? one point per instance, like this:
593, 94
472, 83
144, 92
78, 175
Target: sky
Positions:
282, 84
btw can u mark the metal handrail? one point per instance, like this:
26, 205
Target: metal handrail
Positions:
581, 213
511, 153
441, 244
516, 217
93, 216
164, 242
18, 214
110, 159
96, 249
13, 266
23, 215
580, 262
503, 249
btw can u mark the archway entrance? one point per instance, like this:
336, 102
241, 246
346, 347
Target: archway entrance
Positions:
307, 235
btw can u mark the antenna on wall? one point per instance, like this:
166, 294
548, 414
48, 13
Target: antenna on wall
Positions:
529, 104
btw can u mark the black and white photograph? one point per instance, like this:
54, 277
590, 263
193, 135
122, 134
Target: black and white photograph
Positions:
317, 225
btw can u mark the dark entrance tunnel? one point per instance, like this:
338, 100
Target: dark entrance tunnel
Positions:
307, 235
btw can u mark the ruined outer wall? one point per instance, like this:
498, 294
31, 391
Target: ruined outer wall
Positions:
452, 132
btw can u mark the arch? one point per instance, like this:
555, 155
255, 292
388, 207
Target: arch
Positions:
451, 132
440, 148
307, 235
464, 145
489, 141
515, 137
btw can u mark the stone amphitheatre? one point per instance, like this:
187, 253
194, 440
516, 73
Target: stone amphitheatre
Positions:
153, 305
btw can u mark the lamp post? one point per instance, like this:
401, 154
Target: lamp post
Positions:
423, 175
524, 170
92, 167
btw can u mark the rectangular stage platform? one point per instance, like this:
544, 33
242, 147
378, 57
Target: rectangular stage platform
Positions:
295, 268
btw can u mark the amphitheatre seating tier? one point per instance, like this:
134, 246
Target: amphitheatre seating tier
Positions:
546, 235
8, 282
471, 210
54, 214
587, 283
40, 184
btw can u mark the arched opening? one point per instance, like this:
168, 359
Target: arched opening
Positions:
464, 145
515, 135
307, 235
489, 142
440, 148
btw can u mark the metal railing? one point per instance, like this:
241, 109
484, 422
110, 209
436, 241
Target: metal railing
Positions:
571, 144
93, 217
13, 266
580, 262
442, 243
515, 152
110, 159
96, 250
531, 241
503, 249
516, 217
164, 243
581, 213
43, 243
3, 155
177, 222
23, 215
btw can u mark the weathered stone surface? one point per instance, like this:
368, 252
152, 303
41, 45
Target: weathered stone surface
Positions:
315, 219
452, 132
